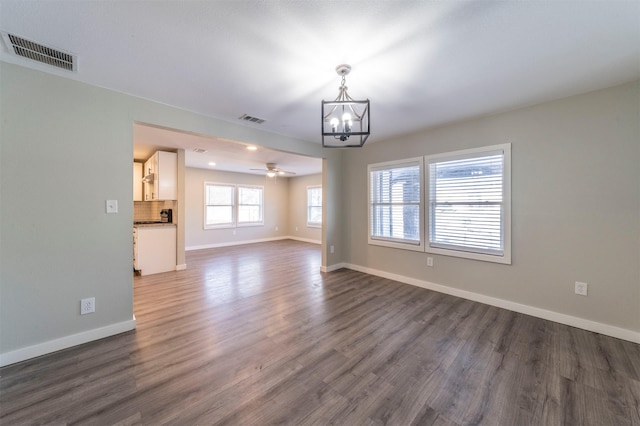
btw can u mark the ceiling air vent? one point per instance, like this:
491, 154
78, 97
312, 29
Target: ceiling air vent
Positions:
199, 150
251, 119
37, 52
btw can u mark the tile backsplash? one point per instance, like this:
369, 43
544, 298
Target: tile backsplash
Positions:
150, 210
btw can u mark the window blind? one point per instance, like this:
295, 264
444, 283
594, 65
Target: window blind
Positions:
395, 203
466, 203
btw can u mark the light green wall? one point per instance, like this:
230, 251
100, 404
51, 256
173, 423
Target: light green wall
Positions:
298, 207
575, 207
66, 147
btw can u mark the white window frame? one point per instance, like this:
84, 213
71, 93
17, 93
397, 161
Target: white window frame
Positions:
312, 224
396, 242
231, 224
470, 253
261, 206
235, 206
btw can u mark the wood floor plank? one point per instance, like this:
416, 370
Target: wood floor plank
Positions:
256, 335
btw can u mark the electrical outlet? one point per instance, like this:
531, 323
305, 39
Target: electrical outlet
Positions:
276, 228
296, 228
581, 288
87, 306
429, 261
331, 249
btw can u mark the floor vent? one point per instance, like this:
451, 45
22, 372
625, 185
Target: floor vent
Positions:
37, 52
251, 119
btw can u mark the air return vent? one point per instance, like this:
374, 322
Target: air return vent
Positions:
37, 52
251, 119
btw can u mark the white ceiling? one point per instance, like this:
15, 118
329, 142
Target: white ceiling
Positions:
221, 154
421, 63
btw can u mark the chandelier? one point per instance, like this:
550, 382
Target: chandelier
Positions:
345, 121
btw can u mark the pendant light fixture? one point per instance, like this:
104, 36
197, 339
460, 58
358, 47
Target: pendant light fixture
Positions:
345, 121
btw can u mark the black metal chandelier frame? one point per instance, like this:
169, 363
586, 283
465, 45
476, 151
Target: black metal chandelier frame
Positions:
345, 121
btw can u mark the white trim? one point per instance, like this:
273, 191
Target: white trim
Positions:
55, 345
585, 324
305, 240
335, 267
233, 243
181, 267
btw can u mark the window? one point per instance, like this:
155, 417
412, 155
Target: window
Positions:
469, 203
465, 203
219, 205
395, 208
249, 205
314, 206
229, 205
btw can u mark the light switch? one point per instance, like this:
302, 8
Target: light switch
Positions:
112, 206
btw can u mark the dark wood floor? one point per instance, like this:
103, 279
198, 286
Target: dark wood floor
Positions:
256, 335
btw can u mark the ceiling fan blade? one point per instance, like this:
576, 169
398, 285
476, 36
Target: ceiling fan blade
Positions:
272, 168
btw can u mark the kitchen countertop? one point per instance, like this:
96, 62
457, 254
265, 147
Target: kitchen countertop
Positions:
149, 225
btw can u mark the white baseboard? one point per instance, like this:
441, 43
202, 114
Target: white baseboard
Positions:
181, 267
597, 327
305, 240
66, 342
335, 267
233, 243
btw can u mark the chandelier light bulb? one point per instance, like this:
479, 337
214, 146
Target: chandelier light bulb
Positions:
334, 124
346, 122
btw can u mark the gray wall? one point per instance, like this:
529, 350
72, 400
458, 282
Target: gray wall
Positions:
298, 208
575, 207
276, 196
66, 147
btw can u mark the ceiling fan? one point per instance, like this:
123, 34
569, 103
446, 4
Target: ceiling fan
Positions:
272, 170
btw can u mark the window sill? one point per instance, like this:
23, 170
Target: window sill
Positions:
504, 259
396, 244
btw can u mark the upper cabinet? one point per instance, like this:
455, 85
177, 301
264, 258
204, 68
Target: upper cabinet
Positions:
161, 176
137, 181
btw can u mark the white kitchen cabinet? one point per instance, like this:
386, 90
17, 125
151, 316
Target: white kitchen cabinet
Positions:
161, 176
155, 249
137, 181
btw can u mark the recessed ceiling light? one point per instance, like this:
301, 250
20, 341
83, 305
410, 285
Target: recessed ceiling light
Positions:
211, 163
252, 147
